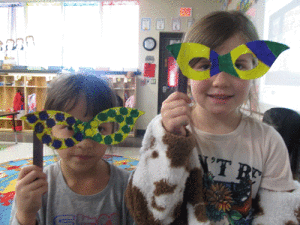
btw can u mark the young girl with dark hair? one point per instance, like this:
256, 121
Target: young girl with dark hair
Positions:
81, 188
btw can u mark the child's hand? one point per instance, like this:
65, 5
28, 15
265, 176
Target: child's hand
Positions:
31, 185
176, 113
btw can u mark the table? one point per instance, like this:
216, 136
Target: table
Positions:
13, 119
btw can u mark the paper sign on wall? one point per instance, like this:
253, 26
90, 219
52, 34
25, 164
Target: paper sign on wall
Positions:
146, 24
185, 12
149, 70
176, 24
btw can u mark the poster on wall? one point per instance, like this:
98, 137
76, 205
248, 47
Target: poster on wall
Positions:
149, 70
190, 22
146, 24
185, 12
160, 24
225, 4
176, 24
251, 13
244, 5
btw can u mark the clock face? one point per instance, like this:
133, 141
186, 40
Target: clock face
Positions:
149, 44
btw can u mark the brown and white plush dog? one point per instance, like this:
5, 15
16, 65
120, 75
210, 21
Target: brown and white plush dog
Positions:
167, 188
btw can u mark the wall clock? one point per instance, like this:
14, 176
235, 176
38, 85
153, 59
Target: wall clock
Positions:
149, 43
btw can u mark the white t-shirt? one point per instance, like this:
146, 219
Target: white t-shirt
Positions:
252, 156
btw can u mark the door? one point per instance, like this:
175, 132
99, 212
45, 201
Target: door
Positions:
166, 64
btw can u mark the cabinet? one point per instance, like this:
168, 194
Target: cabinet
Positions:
26, 83
125, 88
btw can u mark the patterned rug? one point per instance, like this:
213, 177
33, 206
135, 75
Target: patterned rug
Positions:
9, 172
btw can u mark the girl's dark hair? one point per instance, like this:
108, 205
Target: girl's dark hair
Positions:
65, 91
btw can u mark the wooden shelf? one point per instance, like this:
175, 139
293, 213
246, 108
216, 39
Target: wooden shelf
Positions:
13, 86
5, 118
6, 129
27, 83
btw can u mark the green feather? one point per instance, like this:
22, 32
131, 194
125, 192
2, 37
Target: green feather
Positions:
174, 49
276, 48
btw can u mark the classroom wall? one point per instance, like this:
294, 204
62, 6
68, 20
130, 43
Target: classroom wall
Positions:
147, 98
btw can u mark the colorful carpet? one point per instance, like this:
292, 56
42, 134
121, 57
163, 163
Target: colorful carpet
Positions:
9, 172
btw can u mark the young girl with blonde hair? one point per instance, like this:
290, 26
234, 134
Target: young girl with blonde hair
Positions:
240, 171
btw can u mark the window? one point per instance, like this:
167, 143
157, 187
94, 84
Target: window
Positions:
125, 38
77, 34
44, 23
5, 22
4, 26
280, 86
82, 35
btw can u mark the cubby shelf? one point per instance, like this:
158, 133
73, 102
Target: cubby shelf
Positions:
27, 83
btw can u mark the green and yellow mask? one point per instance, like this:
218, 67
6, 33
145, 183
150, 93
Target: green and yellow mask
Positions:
261, 53
42, 122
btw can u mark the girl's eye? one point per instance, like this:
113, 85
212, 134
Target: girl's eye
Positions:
246, 62
202, 67
239, 66
200, 64
68, 128
101, 129
62, 131
105, 129
244, 66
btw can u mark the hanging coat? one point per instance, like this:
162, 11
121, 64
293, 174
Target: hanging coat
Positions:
18, 103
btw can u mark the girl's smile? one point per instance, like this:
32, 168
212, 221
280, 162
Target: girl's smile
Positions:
220, 100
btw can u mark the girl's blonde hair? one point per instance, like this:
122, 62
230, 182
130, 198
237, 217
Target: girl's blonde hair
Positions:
215, 28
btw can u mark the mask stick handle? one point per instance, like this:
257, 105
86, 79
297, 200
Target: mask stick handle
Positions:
182, 87
182, 82
37, 151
